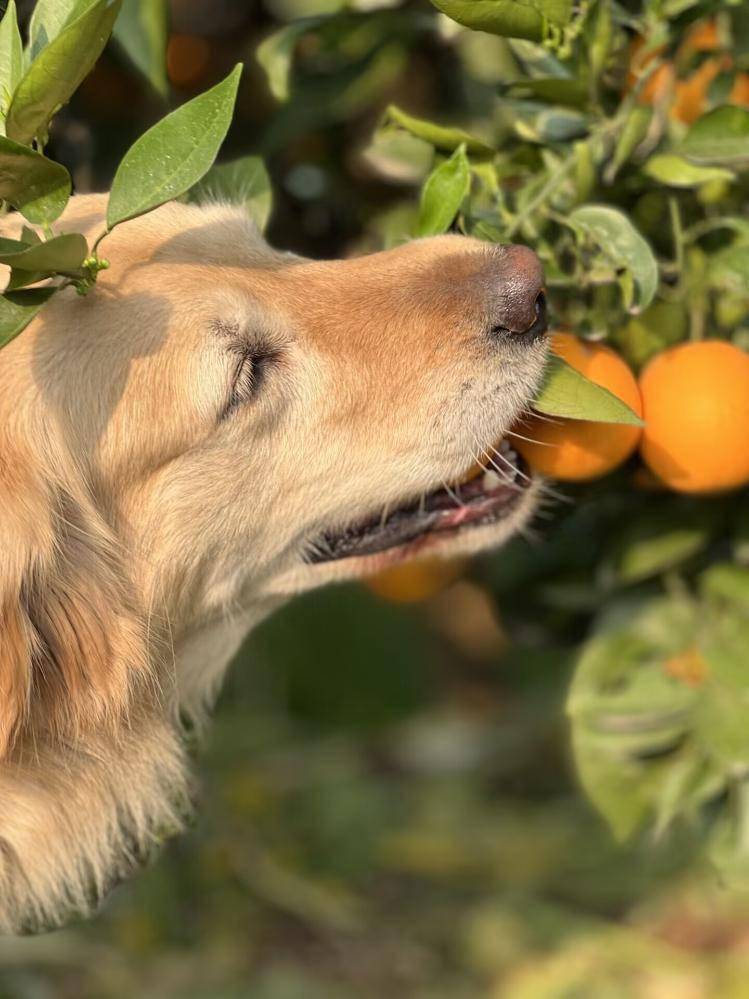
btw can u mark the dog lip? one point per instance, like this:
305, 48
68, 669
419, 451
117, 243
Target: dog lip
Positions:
443, 511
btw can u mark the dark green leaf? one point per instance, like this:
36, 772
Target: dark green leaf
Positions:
242, 182
62, 253
679, 172
18, 308
565, 392
39, 188
623, 245
443, 194
440, 136
11, 59
514, 18
720, 136
174, 154
141, 30
58, 70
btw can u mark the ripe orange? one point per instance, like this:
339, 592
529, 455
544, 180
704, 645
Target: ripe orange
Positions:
696, 404
687, 95
411, 582
575, 450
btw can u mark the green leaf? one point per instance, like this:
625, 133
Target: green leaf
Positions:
18, 308
623, 246
728, 269
59, 69
62, 253
276, 52
242, 182
657, 327
443, 194
726, 581
440, 136
398, 156
529, 19
49, 18
39, 188
720, 136
667, 168
565, 392
11, 59
660, 540
174, 154
141, 30
635, 129
629, 716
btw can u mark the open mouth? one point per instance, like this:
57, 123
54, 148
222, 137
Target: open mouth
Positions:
483, 499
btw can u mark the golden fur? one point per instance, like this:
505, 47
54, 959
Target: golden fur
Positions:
142, 535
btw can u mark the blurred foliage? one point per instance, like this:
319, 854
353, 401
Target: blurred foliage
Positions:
389, 801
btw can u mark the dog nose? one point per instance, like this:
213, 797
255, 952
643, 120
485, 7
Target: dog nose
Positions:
520, 303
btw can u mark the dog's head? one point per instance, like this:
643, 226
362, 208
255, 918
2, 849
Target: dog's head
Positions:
218, 425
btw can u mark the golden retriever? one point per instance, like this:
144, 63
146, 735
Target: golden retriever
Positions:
218, 426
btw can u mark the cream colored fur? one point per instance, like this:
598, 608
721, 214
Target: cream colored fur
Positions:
142, 536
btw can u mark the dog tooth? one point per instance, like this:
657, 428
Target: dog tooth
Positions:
490, 481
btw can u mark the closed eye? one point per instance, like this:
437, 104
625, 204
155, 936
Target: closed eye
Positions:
250, 369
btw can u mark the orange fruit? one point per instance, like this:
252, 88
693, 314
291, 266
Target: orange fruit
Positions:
411, 582
690, 96
660, 80
702, 37
575, 450
696, 406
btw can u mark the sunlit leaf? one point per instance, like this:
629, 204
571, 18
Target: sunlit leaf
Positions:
514, 18
676, 171
18, 308
621, 244
11, 59
39, 188
141, 30
58, 70
399, 156
442, 137
174, 154
720, 136
242, 182
443, 194
48, 19
565, 392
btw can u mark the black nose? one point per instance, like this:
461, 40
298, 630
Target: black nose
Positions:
518, 300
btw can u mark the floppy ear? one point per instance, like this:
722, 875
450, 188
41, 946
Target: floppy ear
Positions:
92, 771
72, 646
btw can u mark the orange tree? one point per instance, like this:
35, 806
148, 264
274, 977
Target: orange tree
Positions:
613, 139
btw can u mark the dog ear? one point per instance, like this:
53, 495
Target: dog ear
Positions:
72, 646
93, 775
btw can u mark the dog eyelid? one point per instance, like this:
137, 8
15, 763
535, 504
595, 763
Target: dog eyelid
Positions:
250, 368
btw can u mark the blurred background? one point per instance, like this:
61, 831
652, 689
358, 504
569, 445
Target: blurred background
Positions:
387, 801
